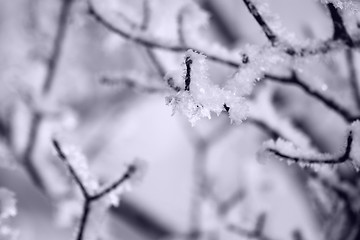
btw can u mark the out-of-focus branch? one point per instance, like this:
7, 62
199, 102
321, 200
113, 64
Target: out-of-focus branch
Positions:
273, 133
52, 66
336, 107
354, 84
256, 233
148, 41
225, 206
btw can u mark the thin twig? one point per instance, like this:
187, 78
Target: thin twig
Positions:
321, 48
345, 156
152, 43
128, 174
294, 80
71, 169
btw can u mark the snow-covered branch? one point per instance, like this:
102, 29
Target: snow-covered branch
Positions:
287, 151
89, 187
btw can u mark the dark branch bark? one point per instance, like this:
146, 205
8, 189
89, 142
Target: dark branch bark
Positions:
340, 32
83, 220
188, 63
294, 79
260, 20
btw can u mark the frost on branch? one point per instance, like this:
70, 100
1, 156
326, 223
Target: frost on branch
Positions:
77, 160
289, 152
7, 209
199, 96
349, 5
94, 199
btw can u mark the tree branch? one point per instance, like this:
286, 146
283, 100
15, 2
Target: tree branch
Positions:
260, 20
188, 63
345, 156
294, 79
340, 32
256, 233
90, 198
72, 171
52, 66
149, 42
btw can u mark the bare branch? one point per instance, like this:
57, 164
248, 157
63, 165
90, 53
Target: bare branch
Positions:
128, 174
146, 15
260, 20
52, 67
58, 45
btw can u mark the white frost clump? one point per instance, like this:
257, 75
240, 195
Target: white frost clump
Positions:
7, 209
203, 96
343, 4
261, 60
